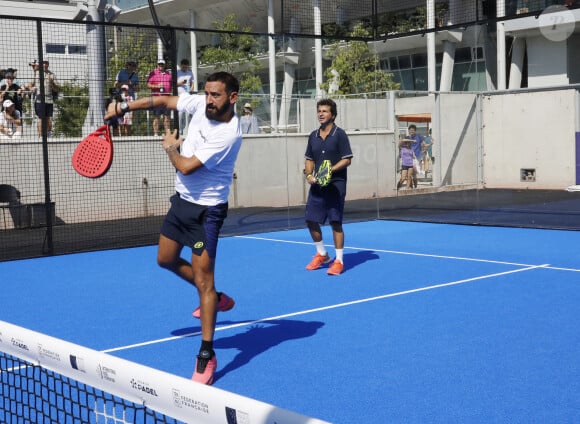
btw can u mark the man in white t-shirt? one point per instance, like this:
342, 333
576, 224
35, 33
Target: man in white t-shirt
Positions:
204, 161
184, 85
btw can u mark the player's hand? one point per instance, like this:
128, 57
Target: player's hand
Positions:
171, 141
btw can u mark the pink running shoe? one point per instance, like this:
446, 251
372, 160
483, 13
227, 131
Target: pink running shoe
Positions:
205, 366
317, 261
225, 303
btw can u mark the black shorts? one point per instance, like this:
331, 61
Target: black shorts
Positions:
44, 112
193, 225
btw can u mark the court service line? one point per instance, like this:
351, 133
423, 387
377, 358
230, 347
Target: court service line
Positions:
335, 306
400, 252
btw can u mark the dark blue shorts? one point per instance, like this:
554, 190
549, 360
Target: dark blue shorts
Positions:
325, 203
44, 111
193, 225
161, 111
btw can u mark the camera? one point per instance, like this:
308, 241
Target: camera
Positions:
115, 95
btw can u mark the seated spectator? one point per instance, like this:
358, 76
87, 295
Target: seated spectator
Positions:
10, 121
9, 90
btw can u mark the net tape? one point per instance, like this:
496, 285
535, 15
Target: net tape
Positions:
47, 380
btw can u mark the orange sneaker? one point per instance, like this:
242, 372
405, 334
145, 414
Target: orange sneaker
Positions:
336, 268
317, 261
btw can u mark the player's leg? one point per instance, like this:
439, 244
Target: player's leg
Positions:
335, 201
169, 257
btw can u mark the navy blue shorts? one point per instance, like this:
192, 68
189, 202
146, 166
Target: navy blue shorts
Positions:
161, 111
324, 203
193, 225
44, 111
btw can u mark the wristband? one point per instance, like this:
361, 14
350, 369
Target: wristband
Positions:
308, 176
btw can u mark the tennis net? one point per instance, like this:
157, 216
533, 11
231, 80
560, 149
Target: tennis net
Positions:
47, 380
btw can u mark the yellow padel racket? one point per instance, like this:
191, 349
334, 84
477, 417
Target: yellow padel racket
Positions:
324, 173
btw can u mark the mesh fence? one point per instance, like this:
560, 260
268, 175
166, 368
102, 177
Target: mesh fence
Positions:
49, 209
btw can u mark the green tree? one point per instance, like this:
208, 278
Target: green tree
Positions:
236, 51
356, 67
70, 109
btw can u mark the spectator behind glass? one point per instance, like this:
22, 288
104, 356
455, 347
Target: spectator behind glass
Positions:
44, 110
10, 121
128, 77
126, 121
9, 90
248, 121
184, 85
159, 82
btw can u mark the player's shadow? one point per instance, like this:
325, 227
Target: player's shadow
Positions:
258, 338
352, 260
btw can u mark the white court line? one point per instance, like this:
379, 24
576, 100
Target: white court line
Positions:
399, 252
325, 308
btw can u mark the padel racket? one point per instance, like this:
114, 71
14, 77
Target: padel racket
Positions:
92, 158
324, 173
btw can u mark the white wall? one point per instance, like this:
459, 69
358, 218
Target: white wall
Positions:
530, 130
547, 62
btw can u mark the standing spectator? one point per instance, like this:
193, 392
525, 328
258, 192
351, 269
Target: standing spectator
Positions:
15, 80
427, 150
407, 169
329, 142
126, 121
184, 85
159, 82
44, 103
9, 90
128, 77
10, 121
248, 121
416, 142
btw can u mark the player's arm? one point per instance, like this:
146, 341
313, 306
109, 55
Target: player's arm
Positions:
309, 171
118, 109
185, 165
341, 164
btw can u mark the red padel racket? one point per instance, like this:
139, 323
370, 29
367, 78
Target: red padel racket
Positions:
92, 158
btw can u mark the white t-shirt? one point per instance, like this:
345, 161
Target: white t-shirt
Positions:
188, 77
9, 123
216, 145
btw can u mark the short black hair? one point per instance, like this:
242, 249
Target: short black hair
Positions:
232, 84
184, 62
328, 102
413, 126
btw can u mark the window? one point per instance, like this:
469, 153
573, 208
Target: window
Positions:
76, 49
56, 48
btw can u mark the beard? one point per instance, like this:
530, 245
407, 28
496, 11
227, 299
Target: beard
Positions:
216, 113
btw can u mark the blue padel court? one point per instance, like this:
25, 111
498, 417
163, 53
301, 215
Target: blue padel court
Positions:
429, 322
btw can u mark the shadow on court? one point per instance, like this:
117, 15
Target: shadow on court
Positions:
351, 260
258, 338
